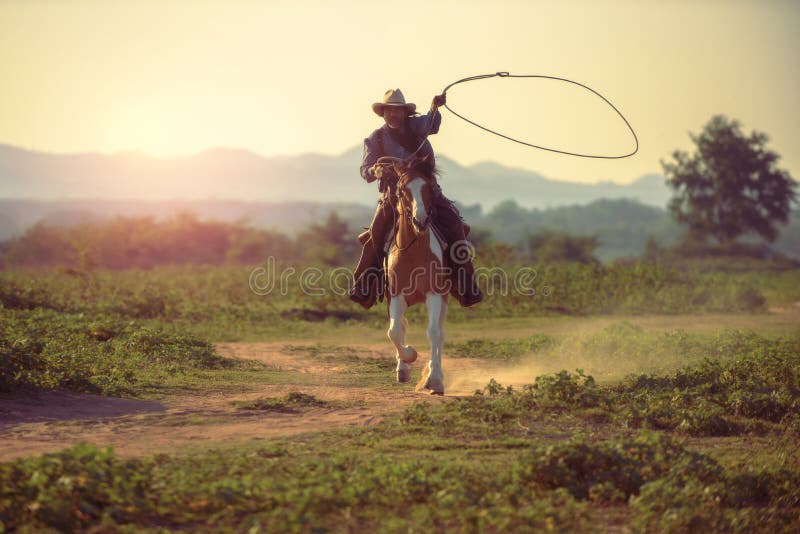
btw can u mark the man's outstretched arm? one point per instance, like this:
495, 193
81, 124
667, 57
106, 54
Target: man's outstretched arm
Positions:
428, 124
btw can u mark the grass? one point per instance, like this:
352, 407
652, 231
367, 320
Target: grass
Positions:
500, 460
497, 329
222, 296
75, 352
559, 471
673, 424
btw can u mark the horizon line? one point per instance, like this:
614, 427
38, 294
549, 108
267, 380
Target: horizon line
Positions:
249, 151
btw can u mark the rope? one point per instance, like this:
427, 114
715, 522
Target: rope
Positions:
507, 75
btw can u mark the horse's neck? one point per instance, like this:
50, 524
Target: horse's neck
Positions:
406, 235
408, 241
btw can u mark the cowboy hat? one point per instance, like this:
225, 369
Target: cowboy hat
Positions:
395, 98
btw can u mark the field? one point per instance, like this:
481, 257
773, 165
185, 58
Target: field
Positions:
611, 398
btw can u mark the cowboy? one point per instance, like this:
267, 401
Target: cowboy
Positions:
404, 134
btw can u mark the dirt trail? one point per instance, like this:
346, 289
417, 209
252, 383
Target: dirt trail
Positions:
52, 421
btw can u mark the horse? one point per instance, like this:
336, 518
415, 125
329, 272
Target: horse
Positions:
415, 271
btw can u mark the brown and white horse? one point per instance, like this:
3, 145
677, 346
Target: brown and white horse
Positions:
416, 272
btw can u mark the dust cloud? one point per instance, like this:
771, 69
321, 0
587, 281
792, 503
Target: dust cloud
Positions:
608, 352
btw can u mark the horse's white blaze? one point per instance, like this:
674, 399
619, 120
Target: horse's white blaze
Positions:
418, 206
419, 212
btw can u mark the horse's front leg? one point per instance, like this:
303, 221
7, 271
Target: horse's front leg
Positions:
398, 326
437, 308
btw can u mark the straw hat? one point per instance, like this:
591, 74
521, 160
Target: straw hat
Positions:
393, 97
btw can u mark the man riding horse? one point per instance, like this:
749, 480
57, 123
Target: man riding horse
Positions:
401, 136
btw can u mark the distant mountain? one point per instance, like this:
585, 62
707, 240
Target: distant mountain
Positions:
288, 193
489, 184
229, 174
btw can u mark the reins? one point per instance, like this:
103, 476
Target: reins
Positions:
406, 211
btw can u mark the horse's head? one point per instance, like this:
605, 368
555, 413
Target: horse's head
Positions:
415, 191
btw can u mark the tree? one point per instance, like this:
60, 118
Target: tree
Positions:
330, 243
730, 186
555, 247
652, 249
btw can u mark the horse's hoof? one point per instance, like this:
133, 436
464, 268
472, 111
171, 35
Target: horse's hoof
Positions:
408, 358
434, 387
403, 375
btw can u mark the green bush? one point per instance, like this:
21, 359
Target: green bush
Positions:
23, 295
71, 490
565, 388
45, 349
82, 489
698, 496
222, 296
746, 384
745, 376
498, 405
602, 470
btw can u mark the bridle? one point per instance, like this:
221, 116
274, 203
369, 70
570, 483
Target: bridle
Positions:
403, 177
406, 211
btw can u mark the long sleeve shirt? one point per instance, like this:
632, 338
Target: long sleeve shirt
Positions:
417, 125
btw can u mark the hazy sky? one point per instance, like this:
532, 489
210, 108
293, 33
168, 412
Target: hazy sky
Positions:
174, 78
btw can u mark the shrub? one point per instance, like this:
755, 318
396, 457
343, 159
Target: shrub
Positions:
71, 490
613, 469
43, 349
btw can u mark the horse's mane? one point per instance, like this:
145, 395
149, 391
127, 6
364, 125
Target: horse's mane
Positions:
425, 167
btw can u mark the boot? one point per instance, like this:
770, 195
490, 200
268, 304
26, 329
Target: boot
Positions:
365, 291
368, 279
464, 287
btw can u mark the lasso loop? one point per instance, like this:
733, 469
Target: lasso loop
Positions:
507, 75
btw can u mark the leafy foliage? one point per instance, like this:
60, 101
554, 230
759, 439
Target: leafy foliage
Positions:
72, 490
226, 300
43, 349
731, 185
610, 471
722, 395
272, 488
329, 243
516, 461
621, 226
554, 247
84, 487
747, 384
696, 495
143, 242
